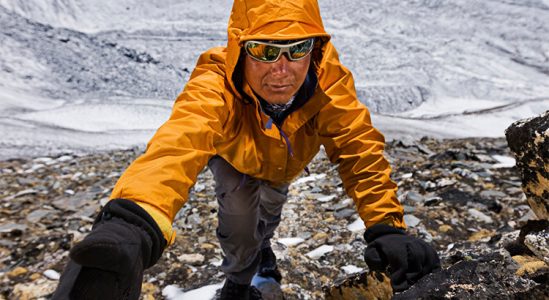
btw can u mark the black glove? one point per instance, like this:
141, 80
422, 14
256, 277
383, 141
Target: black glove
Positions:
405, 257
109, 262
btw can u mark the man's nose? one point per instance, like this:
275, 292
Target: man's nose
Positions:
281, 65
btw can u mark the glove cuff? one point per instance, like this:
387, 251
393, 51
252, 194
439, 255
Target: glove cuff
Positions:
133, 214
378, 230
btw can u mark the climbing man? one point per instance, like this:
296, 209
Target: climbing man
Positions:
255, 112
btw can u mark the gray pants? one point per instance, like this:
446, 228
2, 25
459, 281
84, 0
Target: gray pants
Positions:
249, 213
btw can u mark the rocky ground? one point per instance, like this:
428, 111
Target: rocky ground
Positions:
462, 195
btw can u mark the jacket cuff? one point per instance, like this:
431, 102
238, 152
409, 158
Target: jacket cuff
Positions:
163, 222
378, 230
391, 219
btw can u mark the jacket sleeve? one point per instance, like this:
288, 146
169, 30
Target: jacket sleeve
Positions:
357, 147
160, 179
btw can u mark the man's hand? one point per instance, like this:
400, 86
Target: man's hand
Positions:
405, 257
109, 262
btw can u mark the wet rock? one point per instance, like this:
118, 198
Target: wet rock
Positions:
529, 141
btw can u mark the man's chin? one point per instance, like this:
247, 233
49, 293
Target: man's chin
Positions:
279, 100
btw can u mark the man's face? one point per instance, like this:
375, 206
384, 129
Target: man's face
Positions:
276, 82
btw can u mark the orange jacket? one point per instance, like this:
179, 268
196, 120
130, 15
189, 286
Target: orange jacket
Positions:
210, 118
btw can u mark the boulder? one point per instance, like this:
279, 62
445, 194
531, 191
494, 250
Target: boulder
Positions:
529, 141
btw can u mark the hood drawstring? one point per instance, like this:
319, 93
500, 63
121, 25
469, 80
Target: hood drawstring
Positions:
269, 125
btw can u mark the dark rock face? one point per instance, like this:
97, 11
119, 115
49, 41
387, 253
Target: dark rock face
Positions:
489, 276
529, 141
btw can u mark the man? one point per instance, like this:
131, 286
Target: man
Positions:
256, 112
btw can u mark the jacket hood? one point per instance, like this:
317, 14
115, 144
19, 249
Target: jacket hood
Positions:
271, 20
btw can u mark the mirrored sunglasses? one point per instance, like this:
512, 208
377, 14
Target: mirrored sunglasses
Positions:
270, 52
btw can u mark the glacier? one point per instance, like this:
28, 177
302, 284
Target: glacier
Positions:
87, 76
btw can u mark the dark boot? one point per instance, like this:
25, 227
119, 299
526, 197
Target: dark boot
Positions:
267, 280
267, 266
235, 291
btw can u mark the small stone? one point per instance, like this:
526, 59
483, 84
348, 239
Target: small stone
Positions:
411, 220
444, 228
17, 272
329, 220
415, 197
479, 216
207, 246
326, 198
37, 215
356, 226
445, 182
492, 194
483, 235
13, 228
289, 242
192, 259
52, 274
344, 213
320, 236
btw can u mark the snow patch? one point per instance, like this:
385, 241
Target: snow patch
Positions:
173, 292
504, 162
351, 269
289, 242
320, 251
101, 117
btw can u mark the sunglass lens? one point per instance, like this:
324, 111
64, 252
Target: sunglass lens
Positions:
262, 52
271, 53
301, 50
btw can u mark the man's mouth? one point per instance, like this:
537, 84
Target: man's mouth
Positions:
279, 87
